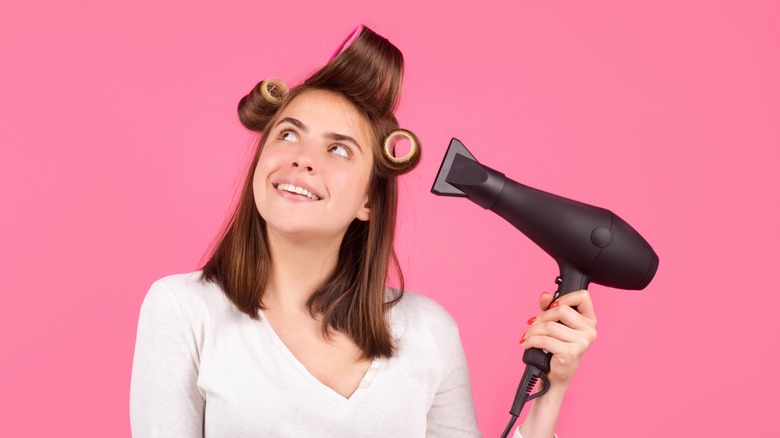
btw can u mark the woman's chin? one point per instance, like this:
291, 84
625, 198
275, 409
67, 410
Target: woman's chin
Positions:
303, 232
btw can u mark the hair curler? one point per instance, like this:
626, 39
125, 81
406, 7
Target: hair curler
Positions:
590, 244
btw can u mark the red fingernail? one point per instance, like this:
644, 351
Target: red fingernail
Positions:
531, 321
554, 304
522, 339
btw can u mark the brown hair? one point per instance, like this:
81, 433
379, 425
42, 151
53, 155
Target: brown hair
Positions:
353, 300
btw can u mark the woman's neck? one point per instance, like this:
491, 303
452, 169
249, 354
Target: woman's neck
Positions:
298, 268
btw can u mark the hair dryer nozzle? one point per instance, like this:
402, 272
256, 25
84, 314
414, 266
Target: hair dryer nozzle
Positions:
461, 174
441, 187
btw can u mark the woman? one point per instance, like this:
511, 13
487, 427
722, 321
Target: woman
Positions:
289, 328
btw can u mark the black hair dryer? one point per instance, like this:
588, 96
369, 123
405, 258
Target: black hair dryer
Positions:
590, 244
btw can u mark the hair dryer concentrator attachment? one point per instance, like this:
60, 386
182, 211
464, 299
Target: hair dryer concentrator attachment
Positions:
590, 244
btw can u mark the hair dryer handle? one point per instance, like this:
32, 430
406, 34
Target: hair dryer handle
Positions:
538, 358
570, 280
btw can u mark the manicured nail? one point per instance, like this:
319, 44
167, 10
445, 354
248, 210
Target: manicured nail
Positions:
554, 304
522, 339
531, 321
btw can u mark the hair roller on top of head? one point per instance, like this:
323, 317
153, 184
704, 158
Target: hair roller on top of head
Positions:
367, 69
348, 41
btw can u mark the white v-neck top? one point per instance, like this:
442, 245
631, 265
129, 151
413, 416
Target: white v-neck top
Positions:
202, 368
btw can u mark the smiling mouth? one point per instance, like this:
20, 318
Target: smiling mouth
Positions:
297, 190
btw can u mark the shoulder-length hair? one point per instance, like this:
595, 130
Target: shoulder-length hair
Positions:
353, 300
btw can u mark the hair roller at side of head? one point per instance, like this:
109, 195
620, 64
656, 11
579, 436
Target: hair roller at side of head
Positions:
273, 91
392, 140
258, 107
411, 159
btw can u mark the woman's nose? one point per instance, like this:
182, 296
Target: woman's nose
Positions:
303, 159
299, 163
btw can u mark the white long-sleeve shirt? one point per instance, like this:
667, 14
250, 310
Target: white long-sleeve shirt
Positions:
204, 368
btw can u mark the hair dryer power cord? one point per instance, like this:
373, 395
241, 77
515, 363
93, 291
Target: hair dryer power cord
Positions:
531, 375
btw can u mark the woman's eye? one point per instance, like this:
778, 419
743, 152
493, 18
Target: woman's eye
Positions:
288, 136
340, 150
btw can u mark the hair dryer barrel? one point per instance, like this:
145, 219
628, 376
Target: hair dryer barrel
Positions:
590, 241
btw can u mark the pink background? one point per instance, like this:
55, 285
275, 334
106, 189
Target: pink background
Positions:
121, 154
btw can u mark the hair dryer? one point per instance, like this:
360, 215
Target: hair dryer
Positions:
590, 244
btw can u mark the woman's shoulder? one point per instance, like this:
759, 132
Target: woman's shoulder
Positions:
187, 293
415, 311
423, 306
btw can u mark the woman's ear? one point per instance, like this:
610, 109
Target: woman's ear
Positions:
364, 212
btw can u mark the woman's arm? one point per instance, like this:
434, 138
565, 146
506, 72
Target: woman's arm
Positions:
568, 343
164, 397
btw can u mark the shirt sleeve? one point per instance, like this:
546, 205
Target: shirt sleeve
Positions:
519, 435
452, 413
164, 397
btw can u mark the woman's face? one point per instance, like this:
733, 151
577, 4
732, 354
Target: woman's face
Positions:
312, 175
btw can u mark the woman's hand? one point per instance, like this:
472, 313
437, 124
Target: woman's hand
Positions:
568, 341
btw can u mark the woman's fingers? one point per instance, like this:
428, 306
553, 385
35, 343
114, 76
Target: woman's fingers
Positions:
564, 310
544, 300
554, 346
566, 356
566, 315
553, 330
582, 301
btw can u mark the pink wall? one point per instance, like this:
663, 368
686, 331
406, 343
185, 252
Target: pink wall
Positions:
121, 153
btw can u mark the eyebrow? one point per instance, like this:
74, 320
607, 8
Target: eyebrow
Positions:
341, 137
329, 135
297, 123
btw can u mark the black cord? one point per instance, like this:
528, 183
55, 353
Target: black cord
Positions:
531, 375
509, 427
543, 391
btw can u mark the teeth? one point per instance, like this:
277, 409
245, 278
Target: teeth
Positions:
299, 190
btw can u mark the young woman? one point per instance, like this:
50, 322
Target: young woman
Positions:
289, 329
